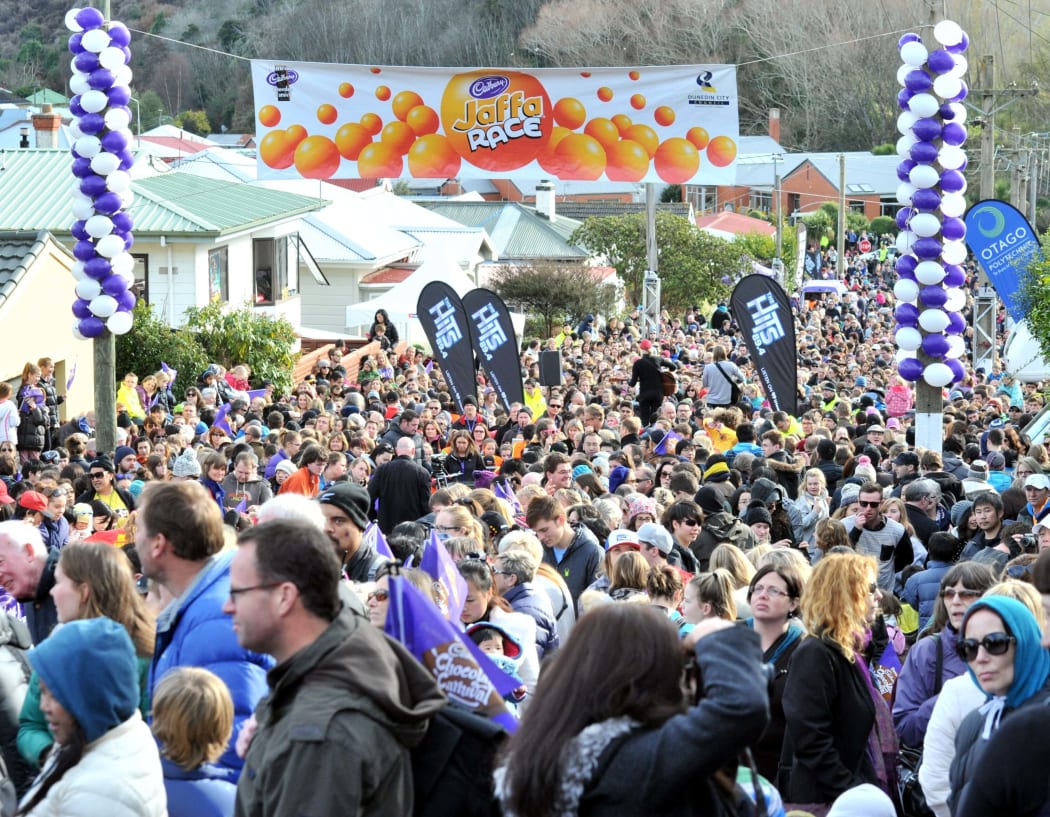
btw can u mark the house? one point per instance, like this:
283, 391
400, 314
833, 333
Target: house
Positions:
36, 293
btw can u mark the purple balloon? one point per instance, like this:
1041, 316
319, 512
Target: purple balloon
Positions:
129, 241
953, 134
960, 46
915, 81
86, 61
127, 54
84, 250
75, 46
93, 185
946, 113
127, 160
122, 222
924, 152
82, 167
126, 300
907, 315
952, 181
90, 18
910, 368
926, 199
78, 231
926, 129
903, 98
952, 228
906, 266
114, 142
958, 370
910, 37
940, 61
959, 97
954, 275
114, 285
75, 107
903, 216
933, 296
81, 308
926, 248
91, 327
101, 78
108, 203
935, 345
956, 324
119, 35
92, 124
97, 267
904, 168
119, 96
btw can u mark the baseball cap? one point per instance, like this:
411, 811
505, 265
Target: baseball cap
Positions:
32, 501
1040, 481
656, 535
645, 345
622, 537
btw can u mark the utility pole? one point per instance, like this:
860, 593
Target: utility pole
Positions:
840, 229
779, 261
992, 100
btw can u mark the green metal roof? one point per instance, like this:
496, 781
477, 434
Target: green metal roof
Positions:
18, 251
35, 192
47, 96
516, 231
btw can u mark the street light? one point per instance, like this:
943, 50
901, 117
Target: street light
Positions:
138, 122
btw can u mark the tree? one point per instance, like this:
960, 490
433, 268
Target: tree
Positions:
152, 342
555, 294
194, 122
1034, 296
883, 225
693, 265
245, 335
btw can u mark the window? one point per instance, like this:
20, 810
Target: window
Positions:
141, 285
760, 201
856, 206
219, 275
275, 278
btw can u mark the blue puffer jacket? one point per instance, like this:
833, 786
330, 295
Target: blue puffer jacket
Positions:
923, 589
914, 700
207, 791
525, 598
201, 635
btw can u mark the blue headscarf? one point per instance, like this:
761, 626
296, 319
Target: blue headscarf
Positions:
1031, 661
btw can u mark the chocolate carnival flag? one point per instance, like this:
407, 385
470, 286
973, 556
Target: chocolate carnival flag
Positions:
763, 312
495, 344
438, 563
440, 311
464, 673
1005, 244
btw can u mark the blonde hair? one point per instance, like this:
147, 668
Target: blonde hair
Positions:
1022, 592
835, 604
757, 554
788, 557
730, 558
192, 716
631, 570
716, 588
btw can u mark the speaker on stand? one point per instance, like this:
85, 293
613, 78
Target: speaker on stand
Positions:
550, 368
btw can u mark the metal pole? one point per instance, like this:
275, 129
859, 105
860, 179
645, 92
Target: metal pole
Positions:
651, 285
840, 230
780, 222
1033, 183
987, 73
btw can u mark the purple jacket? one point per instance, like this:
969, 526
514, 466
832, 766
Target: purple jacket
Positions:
914, 699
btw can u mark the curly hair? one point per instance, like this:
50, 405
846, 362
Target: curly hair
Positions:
835, 604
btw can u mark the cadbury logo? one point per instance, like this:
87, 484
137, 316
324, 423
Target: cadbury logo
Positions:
488, 87
282, 77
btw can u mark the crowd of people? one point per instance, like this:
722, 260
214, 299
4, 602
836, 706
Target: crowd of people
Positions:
208, 606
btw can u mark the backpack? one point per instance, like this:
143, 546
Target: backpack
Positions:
452, 766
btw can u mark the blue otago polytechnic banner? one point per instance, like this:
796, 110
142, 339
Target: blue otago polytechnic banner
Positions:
674, 124
1005, 244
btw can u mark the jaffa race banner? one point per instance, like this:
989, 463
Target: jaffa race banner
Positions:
440, 311
670, 124
495, 344
763, 312
1005, 244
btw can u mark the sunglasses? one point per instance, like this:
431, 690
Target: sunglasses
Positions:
964, 594
691, 522
98, 474
379, 595
993, 643
864, 504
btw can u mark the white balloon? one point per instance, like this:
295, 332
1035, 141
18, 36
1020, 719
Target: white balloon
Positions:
95, 40
937, 374
94, 101
956, 299
122, 75
961, 66
954, 252
924, 225
118, 181
76, 331
905, 121
88, 146
119, 323
951, 157
122, 263
947, 85
953, 204
78, 83
105, 163
905, 144
960, 112
71, 20
914, 54
948, 32
102, 306
127, 277
902, 74
82, 208
929, 273
88, 288
956, 346
77, 271
98, 226
905, 290
74, 129
933, 320
908, 338
112, 58
109, 246
924, 105
127, 197
905, 238
924, 176
117, 118
905, 190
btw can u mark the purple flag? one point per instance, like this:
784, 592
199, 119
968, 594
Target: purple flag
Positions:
72, 376
464, 673
155, 400
503, 491
256, 393
36, 394
374, 536
663, 447
437, 562
242, 506
220, 418
170, 372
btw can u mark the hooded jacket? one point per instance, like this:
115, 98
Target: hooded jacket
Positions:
255, 491
718, 528
334, 732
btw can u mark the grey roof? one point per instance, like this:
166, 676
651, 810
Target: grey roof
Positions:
581, 210
516, 231
18, 250
866, 174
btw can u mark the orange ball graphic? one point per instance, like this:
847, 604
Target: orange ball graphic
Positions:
698, 136
327, 114
721, 151
622, 122
548, 158
604, 130
276, 150
423, 119
346, 90
433, 157
644, 136
582, 155
627, 162
380, 160
350, 139
398, 134
605, 94
404, 102
373, 123
664, 115
317, 157
570, 113
382, 93
677, 160
637, 101
269, 116
634, 75
296, 134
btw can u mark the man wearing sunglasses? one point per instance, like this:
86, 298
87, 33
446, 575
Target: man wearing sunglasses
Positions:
874, 534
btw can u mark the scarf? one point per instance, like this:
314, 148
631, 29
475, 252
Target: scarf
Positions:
882, 741
578, 762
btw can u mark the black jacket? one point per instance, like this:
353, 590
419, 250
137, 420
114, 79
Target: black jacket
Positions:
40, 613
399, 492
645, 373
579, 565
33, 424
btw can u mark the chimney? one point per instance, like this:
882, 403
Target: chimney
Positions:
46, 124
774, 124
545, 200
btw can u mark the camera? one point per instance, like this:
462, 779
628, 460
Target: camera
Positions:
1029, 543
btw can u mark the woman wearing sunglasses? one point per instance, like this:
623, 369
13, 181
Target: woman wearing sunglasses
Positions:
1000, 642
